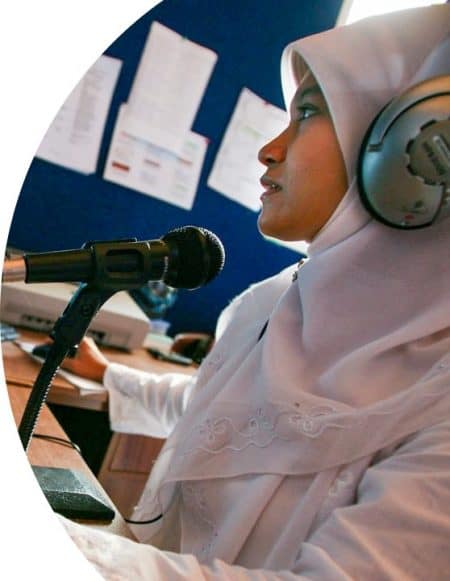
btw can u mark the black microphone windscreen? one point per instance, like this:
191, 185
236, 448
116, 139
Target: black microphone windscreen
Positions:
200, 257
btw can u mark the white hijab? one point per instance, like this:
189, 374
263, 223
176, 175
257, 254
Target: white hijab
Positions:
356, 353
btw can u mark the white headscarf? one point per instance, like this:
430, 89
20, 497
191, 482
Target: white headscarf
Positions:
356, 352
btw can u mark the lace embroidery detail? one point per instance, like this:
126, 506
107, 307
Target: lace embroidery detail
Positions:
211, 429
268, 422
261, 428
258, 422
194, 498
310, 422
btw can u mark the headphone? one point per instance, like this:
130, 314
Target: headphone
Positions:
404, 161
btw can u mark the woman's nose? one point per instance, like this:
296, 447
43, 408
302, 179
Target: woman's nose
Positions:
274, 151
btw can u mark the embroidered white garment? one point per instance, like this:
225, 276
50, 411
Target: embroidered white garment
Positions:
322, 450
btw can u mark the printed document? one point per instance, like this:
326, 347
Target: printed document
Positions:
134, 163
168, 87
236, 171
74, 137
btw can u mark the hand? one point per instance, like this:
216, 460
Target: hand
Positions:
88, 362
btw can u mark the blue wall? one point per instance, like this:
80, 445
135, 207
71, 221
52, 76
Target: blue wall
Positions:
59, 208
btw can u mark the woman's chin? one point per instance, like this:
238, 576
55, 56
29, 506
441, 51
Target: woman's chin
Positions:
264, 226
282, 235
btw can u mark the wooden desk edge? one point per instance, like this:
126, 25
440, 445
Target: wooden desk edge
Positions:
39, 455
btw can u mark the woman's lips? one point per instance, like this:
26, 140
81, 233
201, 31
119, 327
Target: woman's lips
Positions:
270, 187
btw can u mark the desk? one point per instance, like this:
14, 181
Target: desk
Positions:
129, 458
44, 453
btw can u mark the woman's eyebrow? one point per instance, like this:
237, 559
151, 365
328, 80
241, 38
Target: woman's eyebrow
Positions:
313, 89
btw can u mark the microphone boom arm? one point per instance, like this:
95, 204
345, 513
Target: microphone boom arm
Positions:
67, 333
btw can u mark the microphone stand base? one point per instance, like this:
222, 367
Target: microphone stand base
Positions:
71, 494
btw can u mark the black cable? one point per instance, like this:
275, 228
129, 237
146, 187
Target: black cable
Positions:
143, 522
58, 440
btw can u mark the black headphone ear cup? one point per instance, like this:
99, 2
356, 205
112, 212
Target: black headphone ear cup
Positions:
404, 160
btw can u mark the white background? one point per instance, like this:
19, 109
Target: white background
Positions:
46, 46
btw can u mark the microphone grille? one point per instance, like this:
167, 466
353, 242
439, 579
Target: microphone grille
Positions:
197, 256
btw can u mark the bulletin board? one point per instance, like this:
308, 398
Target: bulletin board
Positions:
61, 209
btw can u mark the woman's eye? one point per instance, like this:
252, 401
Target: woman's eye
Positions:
305, 111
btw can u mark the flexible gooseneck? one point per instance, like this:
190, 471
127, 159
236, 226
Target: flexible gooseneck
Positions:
67, 333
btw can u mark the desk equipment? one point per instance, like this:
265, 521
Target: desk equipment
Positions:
170, 357
120, 322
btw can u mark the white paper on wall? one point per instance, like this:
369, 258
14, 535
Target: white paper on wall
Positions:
149, 169
236, 170
168, 87
74, 137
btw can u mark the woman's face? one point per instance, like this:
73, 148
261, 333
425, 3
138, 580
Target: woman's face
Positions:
305, 178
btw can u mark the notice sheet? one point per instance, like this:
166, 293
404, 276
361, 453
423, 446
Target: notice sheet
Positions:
73, 138
134, 163
236, 170
168, 87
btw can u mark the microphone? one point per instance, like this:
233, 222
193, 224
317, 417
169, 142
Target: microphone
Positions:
187, 257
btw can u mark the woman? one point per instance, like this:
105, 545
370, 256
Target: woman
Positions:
315, 441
